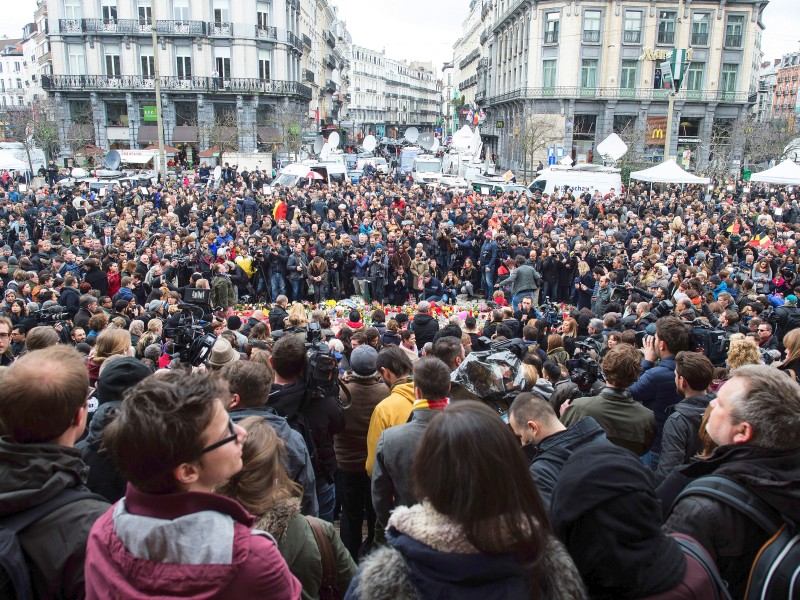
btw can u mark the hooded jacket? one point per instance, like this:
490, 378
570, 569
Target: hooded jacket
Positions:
656, 390
188, 545
430, 557
56, 545
554, 451
103, 478
424, 327
731, 538
681, 437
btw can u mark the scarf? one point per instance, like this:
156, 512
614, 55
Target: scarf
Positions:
440, 404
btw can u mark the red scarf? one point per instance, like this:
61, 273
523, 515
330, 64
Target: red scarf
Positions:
440, 404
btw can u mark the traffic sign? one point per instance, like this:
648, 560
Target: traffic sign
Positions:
551, 151
551, 160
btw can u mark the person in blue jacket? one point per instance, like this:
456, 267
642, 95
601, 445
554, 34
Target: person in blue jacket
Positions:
487, 263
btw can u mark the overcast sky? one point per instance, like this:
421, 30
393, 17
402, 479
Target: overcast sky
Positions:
426, 29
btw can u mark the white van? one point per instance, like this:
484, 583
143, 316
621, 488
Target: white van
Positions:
580, 179
426, 169
297, 173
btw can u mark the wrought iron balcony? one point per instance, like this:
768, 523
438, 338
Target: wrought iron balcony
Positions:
591, 36
269, 87
598, 93
306, 40
632, 36
308, 76
330, 61
666, 37
551, 37
699, 38
733, 40
330, 39
130, 27
219, 28
294, 41
267, 33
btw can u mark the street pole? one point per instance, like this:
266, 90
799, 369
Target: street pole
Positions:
162, 155
671, 103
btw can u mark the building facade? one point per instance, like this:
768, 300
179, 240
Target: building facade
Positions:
230, 64
12, 75
785, 100
595, 67
388, 95
767, 86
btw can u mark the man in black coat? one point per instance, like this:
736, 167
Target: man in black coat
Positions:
278, 314
424, 325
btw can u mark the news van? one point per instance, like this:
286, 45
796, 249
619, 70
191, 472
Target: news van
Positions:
580, 179
297, 173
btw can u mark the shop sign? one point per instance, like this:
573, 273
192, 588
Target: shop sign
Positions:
653, 54
656, 131
690, 140
149, 113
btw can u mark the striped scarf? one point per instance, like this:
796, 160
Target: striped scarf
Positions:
440, 404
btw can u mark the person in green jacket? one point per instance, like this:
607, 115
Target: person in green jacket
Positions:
266, 491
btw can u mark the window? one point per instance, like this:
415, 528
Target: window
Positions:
112, 60
666, 26
733, 31
591, 26
588, 73
728, 79
222, 11
699, 29
80, 112
108, 11
116, 114
694, 76
222, 63
147, 62
263, 65
185, 113
262, 15
180, 10
145, 12
73, 9
551, 28
183, 67
628, 75
549, 73
76, 57
632, 33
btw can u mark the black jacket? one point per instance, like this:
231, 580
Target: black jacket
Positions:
277, 316
424, 327
680, 440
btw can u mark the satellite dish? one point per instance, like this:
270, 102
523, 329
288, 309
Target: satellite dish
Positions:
613, 147
566, 161
77, 173
435, 146
412, 133
370, 143
326, 150
217, 173
113, 160
319, 141
333, 140
425, 140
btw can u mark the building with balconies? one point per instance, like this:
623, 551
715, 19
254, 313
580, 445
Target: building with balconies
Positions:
595, 68
767, 86
220, 62
787, 82
12, 74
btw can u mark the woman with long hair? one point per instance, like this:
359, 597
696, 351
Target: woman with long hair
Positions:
584, 286
482, 543
791, 365
109, 343
264, 488
153, 336
555, 349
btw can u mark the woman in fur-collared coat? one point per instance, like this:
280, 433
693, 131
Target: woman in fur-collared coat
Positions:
487, 541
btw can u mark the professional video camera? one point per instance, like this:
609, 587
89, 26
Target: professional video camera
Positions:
583, 369
550, 313
51, 315
713, 343
192, 342
663, 309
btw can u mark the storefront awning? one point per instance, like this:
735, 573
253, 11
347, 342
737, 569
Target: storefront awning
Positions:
184, 134
147, 134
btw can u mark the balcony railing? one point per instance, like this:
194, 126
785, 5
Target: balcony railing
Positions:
221, 29
733, 40
666, 37
267, 33
591, 36
632, 36
308, 76
699, 38
550, 37
330, 39
599, 93
189, 84
306, 40
294, 41
132, 27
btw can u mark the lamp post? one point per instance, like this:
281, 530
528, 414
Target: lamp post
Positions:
162, 155
676, 78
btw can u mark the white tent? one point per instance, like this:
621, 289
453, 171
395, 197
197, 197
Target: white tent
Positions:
462, 139
9, 163
787, 173
667, 172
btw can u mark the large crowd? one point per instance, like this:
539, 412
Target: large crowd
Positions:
544, 396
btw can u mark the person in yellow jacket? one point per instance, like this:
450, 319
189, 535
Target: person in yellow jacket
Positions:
395, 367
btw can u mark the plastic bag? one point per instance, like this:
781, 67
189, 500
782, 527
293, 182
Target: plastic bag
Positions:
495, 377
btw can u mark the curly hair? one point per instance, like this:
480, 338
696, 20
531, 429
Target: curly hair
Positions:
743, 351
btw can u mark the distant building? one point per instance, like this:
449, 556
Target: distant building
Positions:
787, 80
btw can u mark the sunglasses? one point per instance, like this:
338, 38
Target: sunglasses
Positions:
227, 440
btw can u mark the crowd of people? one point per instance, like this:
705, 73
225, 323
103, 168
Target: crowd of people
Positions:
657, 345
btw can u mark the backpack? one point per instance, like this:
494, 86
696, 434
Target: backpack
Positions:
15, 579
712, 587
775, 573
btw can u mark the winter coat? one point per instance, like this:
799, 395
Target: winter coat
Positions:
392, 410
524, 279
390, 338
222, 292
430, 557
103, 477
681, 437
731, 538
553, 451
277, 318
656, 390
98, 280
190, 544
351, 443
55, 546
626, 422
391, 472
418, 268
294, 261
299, 548
70, 300
558, 355
424, 327
296, 459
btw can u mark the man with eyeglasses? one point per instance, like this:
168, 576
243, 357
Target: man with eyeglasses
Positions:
766, 341
6, 357
171, 536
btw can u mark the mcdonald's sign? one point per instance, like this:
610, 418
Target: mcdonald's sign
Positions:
656, 131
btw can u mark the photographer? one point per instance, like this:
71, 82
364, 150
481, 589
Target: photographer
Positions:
378, 269
277, 267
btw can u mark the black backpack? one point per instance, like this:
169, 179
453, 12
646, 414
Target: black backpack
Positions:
15, 579
775, 573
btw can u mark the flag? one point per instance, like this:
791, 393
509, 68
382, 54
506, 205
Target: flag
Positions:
482, 116
735, 228
476, 119
470, 115
760, 241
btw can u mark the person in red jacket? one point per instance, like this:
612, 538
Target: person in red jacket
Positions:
170, 535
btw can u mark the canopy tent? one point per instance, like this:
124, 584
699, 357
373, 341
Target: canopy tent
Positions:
9, 163
787, 173
667, 172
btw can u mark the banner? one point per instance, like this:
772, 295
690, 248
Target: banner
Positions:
656, 131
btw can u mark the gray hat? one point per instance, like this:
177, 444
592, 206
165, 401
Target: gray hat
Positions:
154, 305
363, 359
223, 353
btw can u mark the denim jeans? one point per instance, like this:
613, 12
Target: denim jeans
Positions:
277, 284
326, 497
487, 278
354, 492
550, 291
297, 290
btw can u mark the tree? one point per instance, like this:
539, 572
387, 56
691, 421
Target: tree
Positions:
634, 158
223, 132
32, 126
289, 119
535, 134
45, 127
